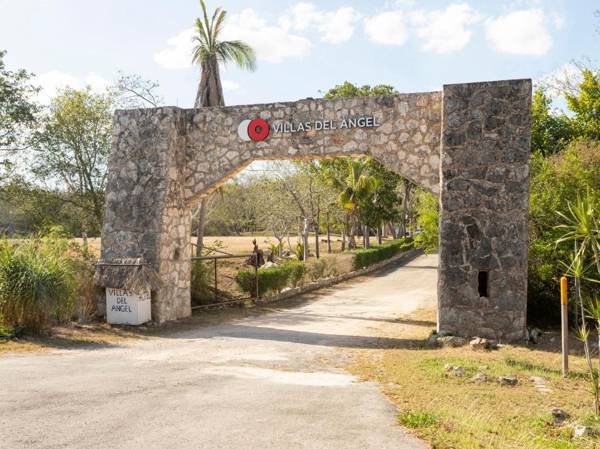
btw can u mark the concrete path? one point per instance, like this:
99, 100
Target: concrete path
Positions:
262, 382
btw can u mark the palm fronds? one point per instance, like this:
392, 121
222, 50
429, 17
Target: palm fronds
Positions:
208, 45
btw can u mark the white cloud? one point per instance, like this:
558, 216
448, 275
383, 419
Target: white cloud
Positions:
230, 85
387, 28
53, 81
521, 32
272, 43
405, 3
335, 26
178, 54
558, 20
446, 30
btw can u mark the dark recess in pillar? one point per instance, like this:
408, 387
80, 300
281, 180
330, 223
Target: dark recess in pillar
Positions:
482, 282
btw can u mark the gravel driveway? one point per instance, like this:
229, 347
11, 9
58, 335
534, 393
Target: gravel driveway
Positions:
269, 381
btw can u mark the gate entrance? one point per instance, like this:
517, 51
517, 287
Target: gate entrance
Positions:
469, 144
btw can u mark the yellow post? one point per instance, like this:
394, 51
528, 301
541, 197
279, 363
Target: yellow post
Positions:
564, 317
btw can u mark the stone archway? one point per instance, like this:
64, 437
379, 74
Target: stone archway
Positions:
469, 144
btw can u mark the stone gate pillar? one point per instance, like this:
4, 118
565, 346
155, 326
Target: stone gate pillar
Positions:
146, 215
482, 286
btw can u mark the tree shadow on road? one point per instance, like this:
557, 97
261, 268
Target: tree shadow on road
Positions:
316, 338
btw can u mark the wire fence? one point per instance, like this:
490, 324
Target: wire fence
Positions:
215, 283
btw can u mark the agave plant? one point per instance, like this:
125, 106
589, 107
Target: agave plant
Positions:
582, 224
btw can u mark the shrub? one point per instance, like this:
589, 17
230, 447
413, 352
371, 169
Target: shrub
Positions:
201, 291
369, 256
269, 279
555, 182
275, 249
299, 251
321, 268
86, 303
37, 284
297, 272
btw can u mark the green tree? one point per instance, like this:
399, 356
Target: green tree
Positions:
209, 52
428, 217
555, 182
383, 206
550, 131
383, 202
17, 111
72, 147
348, 90
350, 176
586, 105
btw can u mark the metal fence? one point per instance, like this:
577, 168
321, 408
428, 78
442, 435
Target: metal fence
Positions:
223, 297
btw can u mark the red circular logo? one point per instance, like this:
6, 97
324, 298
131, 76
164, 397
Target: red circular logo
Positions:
258, 129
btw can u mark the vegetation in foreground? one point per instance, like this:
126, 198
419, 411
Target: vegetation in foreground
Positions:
456, 412
44, 281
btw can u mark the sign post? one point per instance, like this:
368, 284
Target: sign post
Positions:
564, 317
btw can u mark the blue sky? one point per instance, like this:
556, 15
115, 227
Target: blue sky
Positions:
303, 47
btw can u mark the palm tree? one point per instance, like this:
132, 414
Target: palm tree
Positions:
358, 188
209, 52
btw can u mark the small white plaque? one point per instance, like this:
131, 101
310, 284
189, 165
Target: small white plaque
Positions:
123, 307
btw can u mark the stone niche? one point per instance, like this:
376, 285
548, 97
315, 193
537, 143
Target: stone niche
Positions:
469, 144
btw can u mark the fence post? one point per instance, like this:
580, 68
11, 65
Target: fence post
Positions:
564, 317
216, 296
256, 273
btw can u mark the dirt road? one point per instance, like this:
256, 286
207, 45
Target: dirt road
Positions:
271, 381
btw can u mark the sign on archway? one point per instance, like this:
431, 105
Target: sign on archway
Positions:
468, 143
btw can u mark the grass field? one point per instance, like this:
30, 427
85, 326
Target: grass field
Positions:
456, 413
243, 244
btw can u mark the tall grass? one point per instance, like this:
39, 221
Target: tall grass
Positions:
38, 284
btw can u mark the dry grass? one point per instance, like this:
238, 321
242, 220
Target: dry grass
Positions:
243, 244
453, 412
99, 335
73, 336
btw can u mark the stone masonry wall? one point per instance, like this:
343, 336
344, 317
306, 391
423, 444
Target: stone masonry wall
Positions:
484, 203
164, 160
473, 151
407, 139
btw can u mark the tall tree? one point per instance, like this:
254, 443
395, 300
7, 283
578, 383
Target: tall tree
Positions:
383, 206
17, 115
586, 105
209, 52
132, 91
550, 131
371, 214
351, 177
17, 111
348, 90
72, 146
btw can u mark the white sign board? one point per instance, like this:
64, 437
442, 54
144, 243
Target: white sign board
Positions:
123, 307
